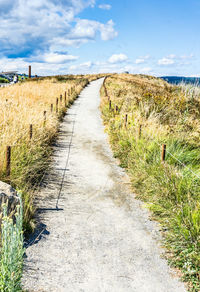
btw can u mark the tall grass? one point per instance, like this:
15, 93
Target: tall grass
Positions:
168, 114
11, 255
24, 104
191, 91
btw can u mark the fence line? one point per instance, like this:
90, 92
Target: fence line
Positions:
164, 147
175, 158
8, 153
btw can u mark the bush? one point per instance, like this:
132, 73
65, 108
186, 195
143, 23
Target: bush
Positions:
3, 80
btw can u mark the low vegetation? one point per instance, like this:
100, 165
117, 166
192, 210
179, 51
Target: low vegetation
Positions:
159, 113
3, 80
12, 251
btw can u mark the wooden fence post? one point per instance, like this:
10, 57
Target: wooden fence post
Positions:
68, 92
65, 99
163, 154
31, 131
45, 117
125, 120
8, 160
110, 104
61, 98
51, 107
139, 131
105, 89
56, 104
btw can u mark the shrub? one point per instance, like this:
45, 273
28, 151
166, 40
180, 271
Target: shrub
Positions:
3, 80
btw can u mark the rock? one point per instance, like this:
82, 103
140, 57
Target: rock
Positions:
8, 196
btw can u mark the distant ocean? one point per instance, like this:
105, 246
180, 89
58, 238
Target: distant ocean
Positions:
177, 80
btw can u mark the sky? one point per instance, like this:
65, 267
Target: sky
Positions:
154, 37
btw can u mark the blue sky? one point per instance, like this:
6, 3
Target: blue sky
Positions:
90, 36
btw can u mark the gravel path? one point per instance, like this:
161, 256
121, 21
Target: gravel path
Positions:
99, 239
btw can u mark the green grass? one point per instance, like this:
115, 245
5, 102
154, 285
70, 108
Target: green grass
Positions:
3, 80
12, 251
170, 190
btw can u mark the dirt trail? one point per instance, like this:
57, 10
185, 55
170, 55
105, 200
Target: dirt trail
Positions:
99, 239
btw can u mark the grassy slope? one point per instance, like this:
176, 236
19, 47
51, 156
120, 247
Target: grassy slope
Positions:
24, 104
170, 115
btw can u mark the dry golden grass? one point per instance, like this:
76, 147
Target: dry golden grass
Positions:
157, 104
24, 104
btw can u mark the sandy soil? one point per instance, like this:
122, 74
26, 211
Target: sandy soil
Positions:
94, 235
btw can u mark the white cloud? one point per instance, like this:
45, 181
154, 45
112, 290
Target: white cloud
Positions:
117, 58
60, 43
87, 64
139, 61
129, 68
87, 29
172, 56
166, 61
107, 67
21, 65
107, 31
39, 68
29, 25
195, 75
9, 64
142, 60
84, 29
146, 70
42, 65
105, 6
88, 67
81, 67
173, 59
83, 32
55, 58
43, 30
186, 57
